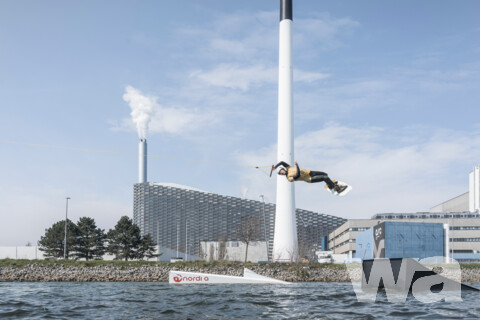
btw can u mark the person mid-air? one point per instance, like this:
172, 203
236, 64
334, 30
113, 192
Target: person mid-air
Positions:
296, 174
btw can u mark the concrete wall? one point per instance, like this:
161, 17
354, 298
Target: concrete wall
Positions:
34, 253
167, 254
235, 251
28, 253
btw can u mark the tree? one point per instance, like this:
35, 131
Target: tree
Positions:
124, 240
248, 231
212, 252
147, 248
90, 242
52, 243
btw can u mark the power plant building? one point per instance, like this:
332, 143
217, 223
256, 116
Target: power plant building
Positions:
402, 240
463, 232
180, 218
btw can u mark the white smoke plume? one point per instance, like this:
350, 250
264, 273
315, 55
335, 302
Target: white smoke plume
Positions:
143, 109
244, 192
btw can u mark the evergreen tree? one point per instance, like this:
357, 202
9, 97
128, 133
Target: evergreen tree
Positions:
52, 243
90, 242
124, 241
147, 248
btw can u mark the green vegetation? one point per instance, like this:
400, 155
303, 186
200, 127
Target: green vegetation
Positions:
126, 243
86, 241
52, 243
90, 241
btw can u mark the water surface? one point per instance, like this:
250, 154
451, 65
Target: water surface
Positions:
141, 300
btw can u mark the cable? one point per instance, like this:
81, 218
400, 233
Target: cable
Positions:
133, 154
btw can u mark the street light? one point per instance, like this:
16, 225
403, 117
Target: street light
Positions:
65, 241
265, 224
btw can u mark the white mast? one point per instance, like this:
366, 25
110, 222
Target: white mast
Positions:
285, 245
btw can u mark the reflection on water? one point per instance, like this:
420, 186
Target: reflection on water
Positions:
164, 301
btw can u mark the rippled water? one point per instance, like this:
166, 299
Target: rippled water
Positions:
163, 301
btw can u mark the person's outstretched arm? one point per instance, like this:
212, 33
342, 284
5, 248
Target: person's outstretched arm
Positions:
282, 163
295, 177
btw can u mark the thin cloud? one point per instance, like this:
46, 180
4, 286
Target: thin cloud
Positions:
408, 177
254, 36
243, 78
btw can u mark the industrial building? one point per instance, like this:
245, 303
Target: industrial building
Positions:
180, 218
402, 240
464, 232
460, 213
184, 221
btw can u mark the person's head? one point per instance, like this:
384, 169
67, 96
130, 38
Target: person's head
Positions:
282, 172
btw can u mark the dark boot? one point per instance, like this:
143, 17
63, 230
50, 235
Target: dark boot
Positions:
339, 189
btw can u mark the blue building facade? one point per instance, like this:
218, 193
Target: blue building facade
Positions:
364, 243
401, 240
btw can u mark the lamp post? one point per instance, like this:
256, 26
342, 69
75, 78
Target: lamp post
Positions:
65, 240
265, 225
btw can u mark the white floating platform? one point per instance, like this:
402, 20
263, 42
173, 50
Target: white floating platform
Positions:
249, 277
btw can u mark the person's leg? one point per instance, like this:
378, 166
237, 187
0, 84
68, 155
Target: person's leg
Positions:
318, 176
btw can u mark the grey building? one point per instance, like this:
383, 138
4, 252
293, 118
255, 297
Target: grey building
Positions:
463, 235
179, 218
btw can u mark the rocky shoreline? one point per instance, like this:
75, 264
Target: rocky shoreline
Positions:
159, 272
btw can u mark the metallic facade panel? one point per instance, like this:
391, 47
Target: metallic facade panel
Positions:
180, 218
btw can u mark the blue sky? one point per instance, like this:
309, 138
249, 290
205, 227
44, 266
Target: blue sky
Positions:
386, 98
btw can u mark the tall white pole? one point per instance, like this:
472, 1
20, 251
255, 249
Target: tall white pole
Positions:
285, 244
142, 161
65, 240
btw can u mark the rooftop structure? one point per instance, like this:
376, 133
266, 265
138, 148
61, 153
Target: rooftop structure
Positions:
468, 201
464, 232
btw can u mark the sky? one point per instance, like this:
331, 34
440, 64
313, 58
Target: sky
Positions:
386, 97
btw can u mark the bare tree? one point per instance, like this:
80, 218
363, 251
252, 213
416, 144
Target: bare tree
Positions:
212, 252
222, 248
305, 250
306, 245
249, 231
201, 253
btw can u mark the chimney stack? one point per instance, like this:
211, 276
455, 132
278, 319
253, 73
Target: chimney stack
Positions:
142, 161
